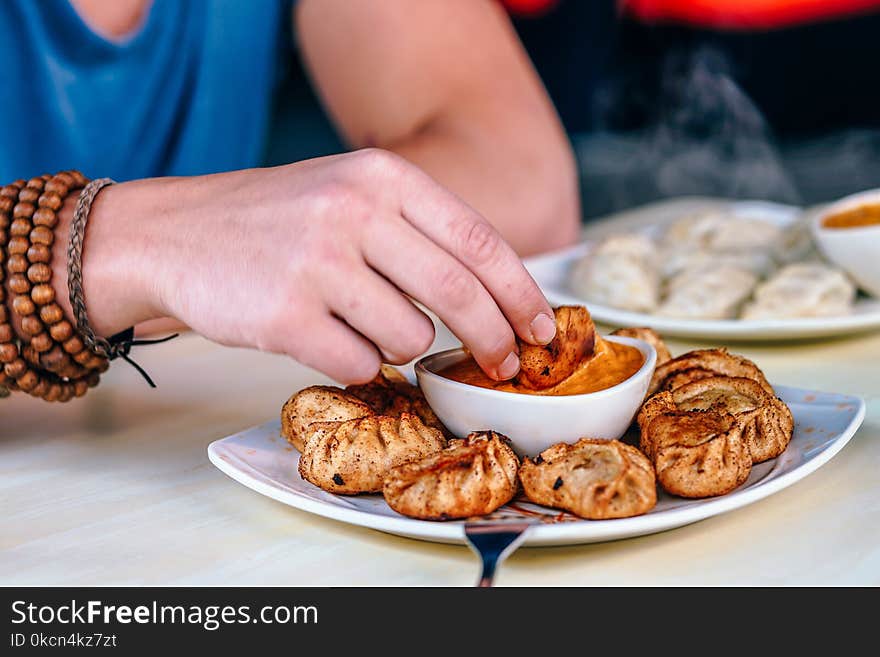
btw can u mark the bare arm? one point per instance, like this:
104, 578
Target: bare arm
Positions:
446, 84
319, 260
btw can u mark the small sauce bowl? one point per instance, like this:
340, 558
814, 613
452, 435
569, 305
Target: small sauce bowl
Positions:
856, 250
534, 422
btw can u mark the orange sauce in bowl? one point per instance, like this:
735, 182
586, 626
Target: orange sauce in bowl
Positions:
611, 364
859, 217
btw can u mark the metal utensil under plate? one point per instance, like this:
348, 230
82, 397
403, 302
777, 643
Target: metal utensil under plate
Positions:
494, 542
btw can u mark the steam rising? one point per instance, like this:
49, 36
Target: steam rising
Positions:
707, 138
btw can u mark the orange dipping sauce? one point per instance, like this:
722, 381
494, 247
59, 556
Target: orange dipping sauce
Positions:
611, 364
860, 217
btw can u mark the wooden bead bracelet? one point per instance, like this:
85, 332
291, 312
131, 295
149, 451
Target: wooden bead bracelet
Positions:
52, 360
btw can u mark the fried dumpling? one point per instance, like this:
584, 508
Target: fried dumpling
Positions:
391, 394
543, 366
768, 421
471, 477
318, 404
650, 336
802, 290
695, 453
355, 456
386, 392
621, 272
712, 292
594, 479
701, 364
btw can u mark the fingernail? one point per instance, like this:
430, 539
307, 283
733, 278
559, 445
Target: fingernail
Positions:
543, 328
509, 368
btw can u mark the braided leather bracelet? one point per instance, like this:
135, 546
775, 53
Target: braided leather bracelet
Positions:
119, 345
97, 344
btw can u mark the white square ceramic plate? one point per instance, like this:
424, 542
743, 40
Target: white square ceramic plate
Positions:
551, 271
263, 461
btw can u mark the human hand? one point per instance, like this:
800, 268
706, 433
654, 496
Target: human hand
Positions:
316, 260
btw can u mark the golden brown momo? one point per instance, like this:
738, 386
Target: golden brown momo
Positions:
594, 479
546, 365
701, 364
768, 422
389, 389
471, 477
354, 456
650, 336
318, 404
391, 394
695, 453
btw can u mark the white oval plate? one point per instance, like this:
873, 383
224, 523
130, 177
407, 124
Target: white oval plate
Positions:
551, 271
263, 461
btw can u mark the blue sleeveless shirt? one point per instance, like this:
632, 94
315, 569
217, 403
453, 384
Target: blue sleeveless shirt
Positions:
189, 92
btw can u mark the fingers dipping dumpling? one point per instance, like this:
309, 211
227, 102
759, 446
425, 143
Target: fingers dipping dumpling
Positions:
543, 366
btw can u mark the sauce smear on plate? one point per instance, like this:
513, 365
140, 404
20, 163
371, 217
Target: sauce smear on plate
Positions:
611, 364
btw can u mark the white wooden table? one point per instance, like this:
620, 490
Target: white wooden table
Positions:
117, 489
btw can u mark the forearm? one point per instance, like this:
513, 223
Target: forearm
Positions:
527, 190
148, 251
319, 260
146, 241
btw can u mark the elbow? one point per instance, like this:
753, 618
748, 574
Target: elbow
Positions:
555, 212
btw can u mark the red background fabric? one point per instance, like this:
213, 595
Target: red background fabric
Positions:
744, 14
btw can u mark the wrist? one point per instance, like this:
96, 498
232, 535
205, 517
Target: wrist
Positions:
116, 267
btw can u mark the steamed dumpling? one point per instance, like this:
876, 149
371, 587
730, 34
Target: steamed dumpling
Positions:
694, 231
708, 293
719, 239
803, 290
795, 243
721, 231
632, 245
678, 261
743, 234
622, 272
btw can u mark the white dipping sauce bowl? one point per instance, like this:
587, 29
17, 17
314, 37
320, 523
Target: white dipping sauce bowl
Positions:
855, 250
535, 422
